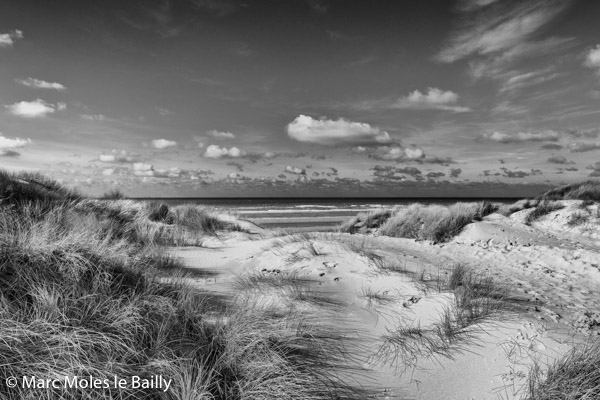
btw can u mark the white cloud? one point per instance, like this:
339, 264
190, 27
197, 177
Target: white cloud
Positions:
434, 98
40, 84
8, 39
162, 143
495, 31
330, 133
592, 58
108, 171
220, 135
93, 117
142, 167
292, 169
120, 156
414, 152
34, 109
216, 152
396, 153
514, 80
7, 145
31, 109
519, 137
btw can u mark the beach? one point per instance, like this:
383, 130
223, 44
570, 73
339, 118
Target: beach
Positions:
376, 289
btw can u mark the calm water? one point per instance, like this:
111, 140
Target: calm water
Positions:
307, 213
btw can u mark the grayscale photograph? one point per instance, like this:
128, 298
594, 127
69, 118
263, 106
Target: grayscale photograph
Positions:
300, 199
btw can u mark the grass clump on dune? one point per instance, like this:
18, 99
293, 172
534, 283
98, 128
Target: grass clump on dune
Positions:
434, 222
543, 208
476, 299
368, 220
576, 376
588, 190
81, 295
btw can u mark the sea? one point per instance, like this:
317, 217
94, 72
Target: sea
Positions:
301, 213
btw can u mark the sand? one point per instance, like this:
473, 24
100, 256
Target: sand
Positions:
551, 268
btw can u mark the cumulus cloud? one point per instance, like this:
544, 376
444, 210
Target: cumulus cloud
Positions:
414, 152
118, 156
162, 143
7, 146
292, 169
519, 137
581, 147
592, 58
559, 160
412, 171
335, 132
8, 39
434, 175
434, 98
40, 84
455, 172
216, 152
397, 153
34, 109
6, 143
220, 135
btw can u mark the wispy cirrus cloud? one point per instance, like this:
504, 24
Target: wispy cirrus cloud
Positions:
41, 84
9, 39
515, 80
339, 132
431, 99
34, 109
505, 25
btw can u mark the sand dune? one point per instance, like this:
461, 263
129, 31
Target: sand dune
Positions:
379, 288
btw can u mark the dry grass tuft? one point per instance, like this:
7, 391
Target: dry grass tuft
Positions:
576, 376
543, 208
434, 222
588, 190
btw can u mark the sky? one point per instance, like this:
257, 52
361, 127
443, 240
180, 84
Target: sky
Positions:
269, 98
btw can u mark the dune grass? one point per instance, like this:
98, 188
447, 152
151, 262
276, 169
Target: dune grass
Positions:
476, 299
84, 290
587, 190
576, 376
434, 222
543, 208
368, 220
